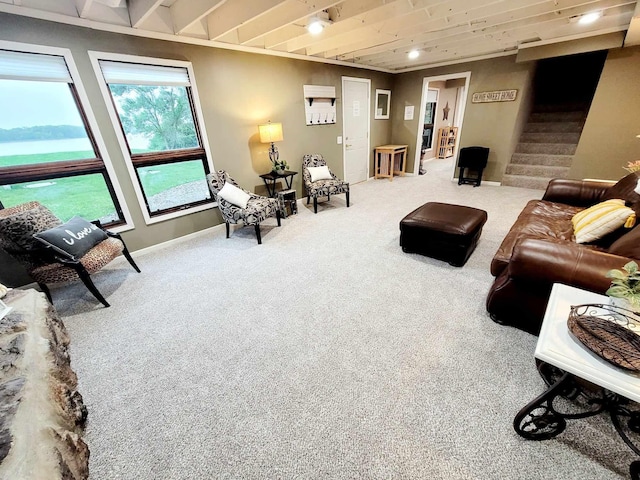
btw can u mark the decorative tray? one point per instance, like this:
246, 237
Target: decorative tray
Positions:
609, 331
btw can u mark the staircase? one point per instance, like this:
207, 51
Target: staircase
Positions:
547, 145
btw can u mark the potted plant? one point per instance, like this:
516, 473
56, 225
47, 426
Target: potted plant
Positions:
279, 166
625, 285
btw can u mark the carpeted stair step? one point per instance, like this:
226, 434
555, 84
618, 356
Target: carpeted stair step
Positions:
537, 170
556, 127
550, 137
573, 116
548, 148
523, 181
542, 159
562, 107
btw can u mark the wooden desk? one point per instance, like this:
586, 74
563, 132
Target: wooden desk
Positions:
389, 160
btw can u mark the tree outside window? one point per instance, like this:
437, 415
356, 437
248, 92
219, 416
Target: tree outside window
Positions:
155, 108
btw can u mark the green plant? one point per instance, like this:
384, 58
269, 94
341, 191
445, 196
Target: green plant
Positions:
625, 283
280, 165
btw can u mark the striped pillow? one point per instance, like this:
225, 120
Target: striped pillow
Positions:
597, 221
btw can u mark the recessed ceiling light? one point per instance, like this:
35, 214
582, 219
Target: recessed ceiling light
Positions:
589, 18
413, 54
315, 26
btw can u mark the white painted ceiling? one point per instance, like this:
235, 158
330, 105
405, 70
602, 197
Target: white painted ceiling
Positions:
374, 34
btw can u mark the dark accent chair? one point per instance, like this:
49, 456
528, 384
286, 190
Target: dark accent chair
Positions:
321, 188
473, 159
43, 263
258, 208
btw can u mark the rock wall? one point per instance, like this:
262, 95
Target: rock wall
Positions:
42, 415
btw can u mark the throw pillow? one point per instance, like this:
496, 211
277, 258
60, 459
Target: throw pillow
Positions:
21, 222
72, 239
319, 173
234, 195
603, 218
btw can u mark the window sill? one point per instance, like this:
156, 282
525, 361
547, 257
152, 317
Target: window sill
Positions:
169, 216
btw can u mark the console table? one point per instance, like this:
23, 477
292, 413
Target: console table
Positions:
389, 160
270, 180
572, 371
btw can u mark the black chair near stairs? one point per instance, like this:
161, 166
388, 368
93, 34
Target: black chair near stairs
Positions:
473, 159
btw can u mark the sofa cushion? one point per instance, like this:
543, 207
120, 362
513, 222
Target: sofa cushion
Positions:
601, 219
627, 245
538, 219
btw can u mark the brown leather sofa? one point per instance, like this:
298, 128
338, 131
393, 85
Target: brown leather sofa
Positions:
540, 250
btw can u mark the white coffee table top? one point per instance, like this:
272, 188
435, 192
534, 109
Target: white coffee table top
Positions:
557, 347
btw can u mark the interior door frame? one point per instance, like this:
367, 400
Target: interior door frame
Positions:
463, 104
435, 116
368, 120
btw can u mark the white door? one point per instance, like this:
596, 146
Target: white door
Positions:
355, 117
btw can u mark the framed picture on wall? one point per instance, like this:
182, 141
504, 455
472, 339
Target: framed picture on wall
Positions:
383, 104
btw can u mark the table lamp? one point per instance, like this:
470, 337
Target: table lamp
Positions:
270, 133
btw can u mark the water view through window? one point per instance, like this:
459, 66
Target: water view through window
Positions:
40, 127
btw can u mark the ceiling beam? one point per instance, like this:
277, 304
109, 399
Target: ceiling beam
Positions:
83, 7
347, 24
484, 20
187, 12
436, 17
501, 42
235, 13
140, 10
281, 16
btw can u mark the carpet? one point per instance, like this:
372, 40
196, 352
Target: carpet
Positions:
325, 352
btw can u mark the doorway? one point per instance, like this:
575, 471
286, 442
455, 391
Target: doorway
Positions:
355, 130
447, 94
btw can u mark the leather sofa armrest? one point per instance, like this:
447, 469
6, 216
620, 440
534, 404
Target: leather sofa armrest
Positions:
543, 261
579, 193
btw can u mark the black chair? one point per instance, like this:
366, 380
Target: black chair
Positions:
473, 159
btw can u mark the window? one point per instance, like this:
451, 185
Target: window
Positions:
154, 105
48, 150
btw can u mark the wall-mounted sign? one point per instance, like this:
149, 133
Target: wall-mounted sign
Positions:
496, 96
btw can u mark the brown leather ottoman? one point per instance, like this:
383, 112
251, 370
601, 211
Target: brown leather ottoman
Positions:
443, 231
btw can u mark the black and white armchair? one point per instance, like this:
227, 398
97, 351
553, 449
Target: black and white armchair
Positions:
319, 181
237, 204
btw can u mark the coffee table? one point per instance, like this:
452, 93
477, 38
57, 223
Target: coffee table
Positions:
573, 372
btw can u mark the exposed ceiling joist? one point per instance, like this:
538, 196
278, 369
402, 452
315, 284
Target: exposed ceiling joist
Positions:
140, 10
367, 33
187, 12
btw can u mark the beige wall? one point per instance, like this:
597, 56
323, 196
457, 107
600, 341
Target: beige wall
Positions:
609, 140
486, 124
237, 92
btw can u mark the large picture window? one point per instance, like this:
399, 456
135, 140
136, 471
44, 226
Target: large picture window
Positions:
48, 150
155, 109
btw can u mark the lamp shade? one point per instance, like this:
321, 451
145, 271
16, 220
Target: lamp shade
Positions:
270, 132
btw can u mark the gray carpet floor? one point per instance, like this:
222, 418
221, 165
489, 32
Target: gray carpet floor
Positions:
325, 352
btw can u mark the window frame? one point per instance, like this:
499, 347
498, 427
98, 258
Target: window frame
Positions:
156, 158
101, 164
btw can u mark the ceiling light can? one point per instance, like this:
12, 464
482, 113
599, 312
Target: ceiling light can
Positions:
413, 54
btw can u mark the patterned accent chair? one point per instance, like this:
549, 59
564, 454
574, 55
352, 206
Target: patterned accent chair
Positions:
258, 208
44, 264
321, 188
